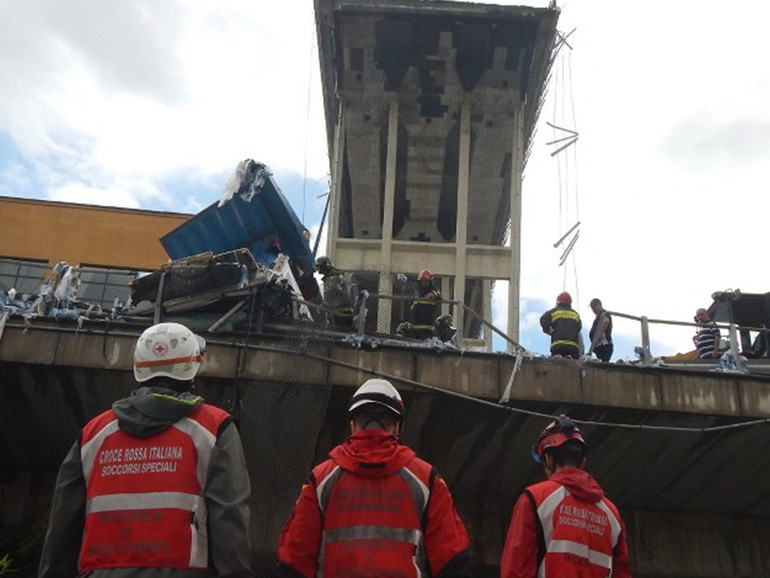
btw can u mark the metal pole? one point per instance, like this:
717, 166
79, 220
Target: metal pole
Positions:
739, 365
647, 357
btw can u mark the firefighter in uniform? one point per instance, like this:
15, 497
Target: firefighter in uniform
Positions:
425, 307
337, 296
374, 508
157, 485
563, 324
564, 526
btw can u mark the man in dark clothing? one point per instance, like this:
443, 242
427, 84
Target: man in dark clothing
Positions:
563, 324
564, 526
374, 508
337, 296
601, 332
157, 486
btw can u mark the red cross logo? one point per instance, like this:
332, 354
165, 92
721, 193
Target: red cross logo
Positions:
160, 349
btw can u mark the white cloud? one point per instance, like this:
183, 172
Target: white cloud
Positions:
125, 101
141, 90
76, 193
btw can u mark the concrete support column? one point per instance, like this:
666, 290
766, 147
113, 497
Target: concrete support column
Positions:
445, 293
461, 231
486, 287
517, 164
335, 201
386, 284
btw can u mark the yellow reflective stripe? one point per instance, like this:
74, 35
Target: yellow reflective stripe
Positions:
142, 501
564, 342
192, 401
582, 551
565, 314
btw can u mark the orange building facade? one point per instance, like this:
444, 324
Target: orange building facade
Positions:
50, 231
109, 246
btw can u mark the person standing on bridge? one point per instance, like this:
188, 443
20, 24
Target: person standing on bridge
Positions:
374, 508
564, 526
157, 486
601, 332
425, 306
337, 297
563, 324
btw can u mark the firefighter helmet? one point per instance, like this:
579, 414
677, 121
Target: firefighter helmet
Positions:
425, 274
377, 392
564, 298
558, 432
323, 263
168, 350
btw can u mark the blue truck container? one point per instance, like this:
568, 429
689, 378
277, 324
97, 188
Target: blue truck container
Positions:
252, 214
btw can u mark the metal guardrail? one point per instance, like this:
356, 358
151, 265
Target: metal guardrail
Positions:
731, 328
362, 311
455, 305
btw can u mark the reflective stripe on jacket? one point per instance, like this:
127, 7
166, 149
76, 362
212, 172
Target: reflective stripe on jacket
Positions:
373, 521
144, 506
563, 325
579, 537
374, 509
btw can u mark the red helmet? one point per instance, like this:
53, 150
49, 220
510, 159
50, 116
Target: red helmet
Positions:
558, 432
425, 274
564, 298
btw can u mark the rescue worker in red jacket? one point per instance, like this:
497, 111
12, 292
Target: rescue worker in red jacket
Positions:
564, 526
156, 486
374, 508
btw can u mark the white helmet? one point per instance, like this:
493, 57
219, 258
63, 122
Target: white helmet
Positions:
169, 350
377, 392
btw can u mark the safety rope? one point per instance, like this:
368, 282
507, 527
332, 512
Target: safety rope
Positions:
497, 406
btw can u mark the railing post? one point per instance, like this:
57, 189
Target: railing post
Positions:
739, 365
362, 311
460, 321
646, 355
158, 313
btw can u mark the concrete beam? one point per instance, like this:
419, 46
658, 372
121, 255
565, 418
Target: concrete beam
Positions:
483, 261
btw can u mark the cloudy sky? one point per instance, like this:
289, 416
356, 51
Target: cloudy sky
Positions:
151, 105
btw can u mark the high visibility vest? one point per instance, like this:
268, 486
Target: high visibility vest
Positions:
144, 506
576, 538
373, 525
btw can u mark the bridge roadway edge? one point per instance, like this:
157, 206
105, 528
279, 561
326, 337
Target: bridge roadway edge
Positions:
90, 368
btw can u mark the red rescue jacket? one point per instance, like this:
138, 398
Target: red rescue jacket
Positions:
565, 526
374, 508
144, 506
